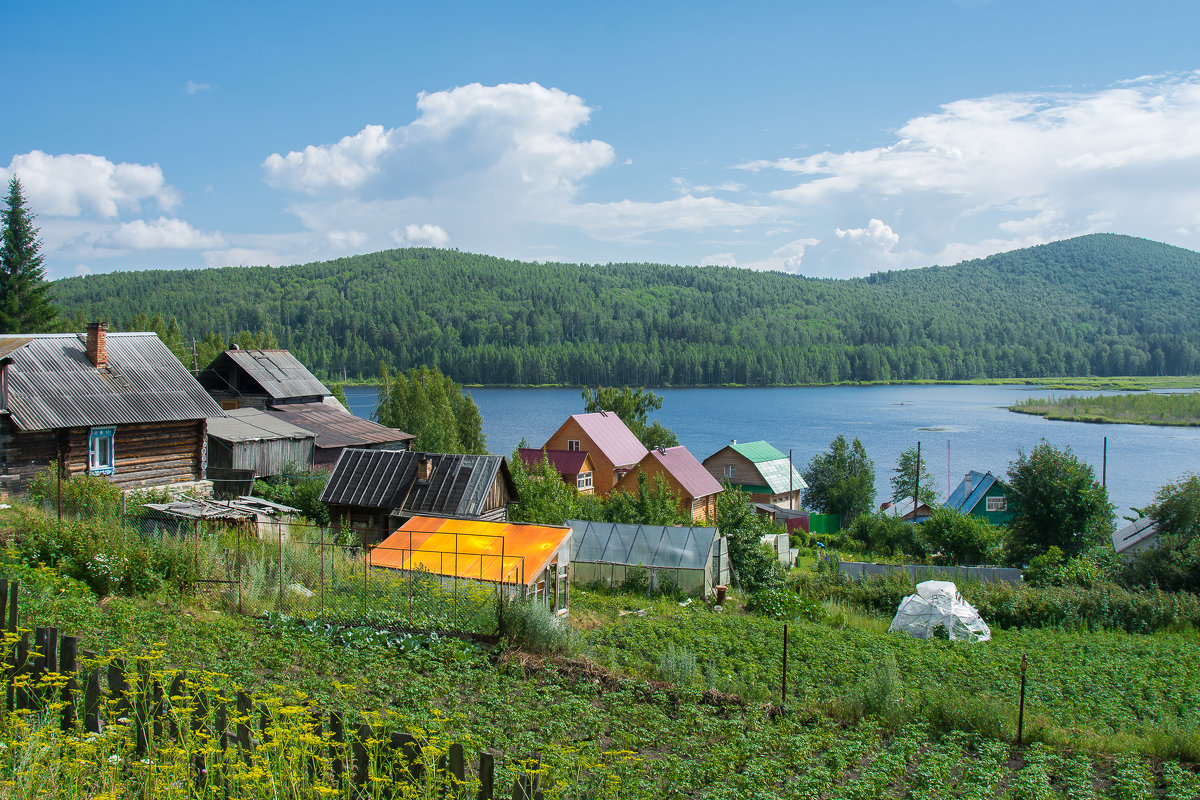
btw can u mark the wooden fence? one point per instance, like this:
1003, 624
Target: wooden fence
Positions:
56, 676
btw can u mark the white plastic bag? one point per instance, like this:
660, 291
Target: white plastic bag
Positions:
938, 603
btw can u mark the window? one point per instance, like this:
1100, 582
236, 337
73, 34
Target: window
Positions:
572, 444
997, 504
101, 451
584, 481
731, 471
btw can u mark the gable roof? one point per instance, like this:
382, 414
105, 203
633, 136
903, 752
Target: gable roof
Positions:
773, 467
278, 372
252, 425
52, 383
500, 552
669, 546
336, 428
565, 462
683, 467
964, 500
757, 451
611, 437
1134, 533
904, 508
458, 485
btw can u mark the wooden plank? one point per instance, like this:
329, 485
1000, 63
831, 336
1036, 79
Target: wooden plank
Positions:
69, 665
487, 777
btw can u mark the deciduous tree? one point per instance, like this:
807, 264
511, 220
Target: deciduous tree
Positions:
841, 481
1057, 502
1174, 564
904, 478
633, 406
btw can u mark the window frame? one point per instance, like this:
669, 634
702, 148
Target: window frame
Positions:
731, 472
102, 451
996, 504
584, 480
573, 445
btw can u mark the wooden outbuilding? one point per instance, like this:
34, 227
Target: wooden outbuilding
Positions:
683, 474
376, 491
249, 439
118, 405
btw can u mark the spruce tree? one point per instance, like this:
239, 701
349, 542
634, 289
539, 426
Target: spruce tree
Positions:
24, 306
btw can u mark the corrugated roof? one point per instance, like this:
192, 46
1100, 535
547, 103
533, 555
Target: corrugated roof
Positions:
507, 552
775, 473
244, 507
253, 425
387, 479
1133, 533
757, 451
52, 384
657, 546
964, 501
565, 462
336, 428
683, 467
611, 436
278, 372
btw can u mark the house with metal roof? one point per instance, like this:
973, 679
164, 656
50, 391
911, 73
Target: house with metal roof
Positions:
683, 474
611, 446
376, 491
983, 495
113, 404
520, 559
1135, 537
903, 510
575, 467
695, 559
760, 470
247, 443
335, 430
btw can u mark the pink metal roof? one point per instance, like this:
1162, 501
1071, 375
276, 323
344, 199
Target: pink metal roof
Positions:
565, 462
691, 474
610, 435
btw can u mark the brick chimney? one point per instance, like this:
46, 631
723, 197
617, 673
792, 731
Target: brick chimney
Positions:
424, 469
97, 344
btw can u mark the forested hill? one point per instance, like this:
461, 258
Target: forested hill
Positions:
1101, 304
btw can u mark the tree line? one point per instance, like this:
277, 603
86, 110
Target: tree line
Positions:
1076, 307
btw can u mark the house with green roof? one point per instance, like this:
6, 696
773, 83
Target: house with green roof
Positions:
760, 469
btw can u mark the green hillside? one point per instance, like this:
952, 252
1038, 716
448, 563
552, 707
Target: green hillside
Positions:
1096, 305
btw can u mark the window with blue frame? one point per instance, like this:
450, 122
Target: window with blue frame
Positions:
102, 451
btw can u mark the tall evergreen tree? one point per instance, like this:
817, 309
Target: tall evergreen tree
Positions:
24, 306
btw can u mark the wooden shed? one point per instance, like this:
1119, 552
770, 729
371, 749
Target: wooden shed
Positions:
118, 405
249, 439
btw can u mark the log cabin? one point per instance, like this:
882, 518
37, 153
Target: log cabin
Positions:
118, 405
757, 468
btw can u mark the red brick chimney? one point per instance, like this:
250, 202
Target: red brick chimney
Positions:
424, 469
97, 344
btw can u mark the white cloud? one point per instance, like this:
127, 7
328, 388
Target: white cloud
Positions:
683, 186
421, 236
788, 257
68, 185
343, 240
240, 257
876, 233
193, 87
160, 234
343, 165
719, 260
83, 269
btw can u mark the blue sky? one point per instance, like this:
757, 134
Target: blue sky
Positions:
828, 139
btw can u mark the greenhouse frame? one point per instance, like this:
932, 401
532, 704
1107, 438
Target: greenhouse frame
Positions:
694, 558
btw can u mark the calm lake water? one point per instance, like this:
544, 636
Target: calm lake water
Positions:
959, 427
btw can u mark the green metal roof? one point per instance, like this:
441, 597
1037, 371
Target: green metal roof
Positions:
758, 451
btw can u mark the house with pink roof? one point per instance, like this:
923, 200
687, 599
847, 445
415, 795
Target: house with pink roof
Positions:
687, 477
575, 467
611, 447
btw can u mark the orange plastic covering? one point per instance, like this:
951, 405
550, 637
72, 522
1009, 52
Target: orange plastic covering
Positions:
500, 552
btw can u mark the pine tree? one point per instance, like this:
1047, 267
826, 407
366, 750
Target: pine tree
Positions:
24, 306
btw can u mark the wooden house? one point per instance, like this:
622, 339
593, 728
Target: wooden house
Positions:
981, 495
249, 439
686, 477
760, 470
904, 510
118, 405
610, 445
376, 491
575, 467
518, 558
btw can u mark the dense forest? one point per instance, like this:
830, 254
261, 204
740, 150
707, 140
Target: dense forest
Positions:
1096, 305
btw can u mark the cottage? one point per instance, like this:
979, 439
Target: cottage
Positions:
760, 470
981, 495
376, 491
610, 445
1135, 537
694, 559
523, 560
118, 405
575, 467
686, 477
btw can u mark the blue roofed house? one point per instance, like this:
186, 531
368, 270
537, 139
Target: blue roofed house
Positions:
983, 495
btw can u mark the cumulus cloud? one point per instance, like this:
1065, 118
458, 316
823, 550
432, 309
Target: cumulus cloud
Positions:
343, 165
876, 233
719, 260
83, 269
193, 87
346, 239
240, 257
70, 185
421, 236
159, 234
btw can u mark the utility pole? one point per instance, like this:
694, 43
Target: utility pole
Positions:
917, 483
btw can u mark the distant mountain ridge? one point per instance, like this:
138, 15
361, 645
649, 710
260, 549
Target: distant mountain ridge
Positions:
1103, 304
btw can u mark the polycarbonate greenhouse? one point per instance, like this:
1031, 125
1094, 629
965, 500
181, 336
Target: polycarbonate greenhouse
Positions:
696, 559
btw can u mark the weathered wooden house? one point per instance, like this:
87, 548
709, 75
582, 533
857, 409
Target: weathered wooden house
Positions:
694, 559
249, 439
981, 495
119, 405
377, 491
518, 558
683, 474
573, 466
335, 430
610, 445
760, 470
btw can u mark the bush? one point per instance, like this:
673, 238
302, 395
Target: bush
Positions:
533, 627
677, 665
82, 495
299, 489
884, 533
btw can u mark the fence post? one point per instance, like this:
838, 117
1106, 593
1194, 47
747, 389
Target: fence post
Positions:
3, 600
14, 592
361, 769
337, 729
242, 726
1021, 713
21, 697
93, 722
783, 688
199, 724
457, 767
487, 777
279, 599
365, 560
69, 664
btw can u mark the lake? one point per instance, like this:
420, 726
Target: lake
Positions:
959, 427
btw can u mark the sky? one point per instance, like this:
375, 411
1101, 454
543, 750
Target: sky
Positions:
829, 139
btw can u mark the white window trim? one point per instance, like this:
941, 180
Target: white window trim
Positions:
997, 504
573, 445
583, 480
731, 471
102, 451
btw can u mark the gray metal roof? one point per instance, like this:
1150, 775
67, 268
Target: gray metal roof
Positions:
1133, 533
278, 372
252, 425
335, 428
649, 545
387, 479
52, 384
